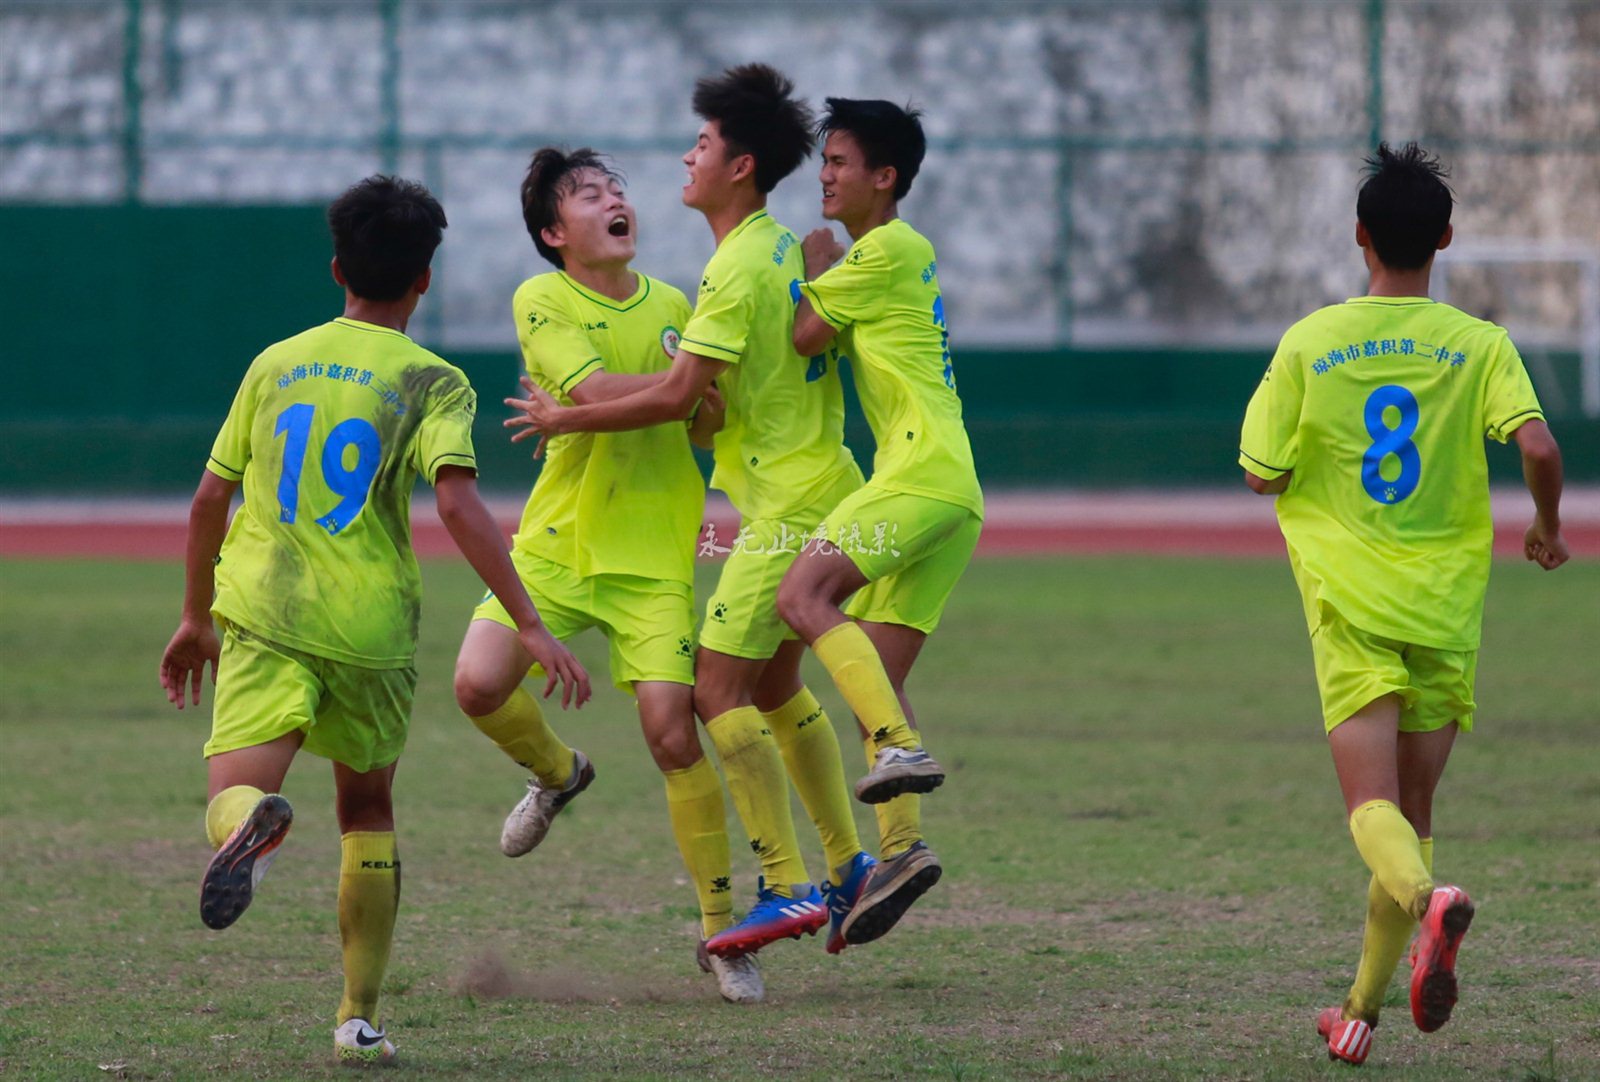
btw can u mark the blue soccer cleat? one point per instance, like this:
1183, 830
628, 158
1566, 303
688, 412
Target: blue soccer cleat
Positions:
773, 917
842, 898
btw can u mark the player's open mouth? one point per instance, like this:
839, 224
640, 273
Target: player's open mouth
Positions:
618, 226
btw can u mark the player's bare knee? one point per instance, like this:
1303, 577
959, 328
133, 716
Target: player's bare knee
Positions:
674, 749
797, 605
476, 696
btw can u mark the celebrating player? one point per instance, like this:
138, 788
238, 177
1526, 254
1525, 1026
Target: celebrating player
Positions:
316, 588
902, 541
608, 536
781, 458
1369, 425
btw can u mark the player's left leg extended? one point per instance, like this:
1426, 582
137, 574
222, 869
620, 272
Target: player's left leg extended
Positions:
369, 898
246, 821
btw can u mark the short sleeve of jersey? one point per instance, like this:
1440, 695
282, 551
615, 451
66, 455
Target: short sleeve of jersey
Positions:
1509, 400
720, 326
855, 289
444, 436
230, 453
554, 345
1269, 445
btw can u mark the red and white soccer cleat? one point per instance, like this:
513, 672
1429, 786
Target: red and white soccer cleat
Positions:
1348, 1039
1433, 957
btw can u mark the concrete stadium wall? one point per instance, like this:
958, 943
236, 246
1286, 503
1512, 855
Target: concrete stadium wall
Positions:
128, 329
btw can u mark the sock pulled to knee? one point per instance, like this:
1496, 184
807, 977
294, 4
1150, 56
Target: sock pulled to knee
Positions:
1392, 851
700, 827
1383, 943
228, 809
857, 670
811, 755
369, 897
518, 728
760, 790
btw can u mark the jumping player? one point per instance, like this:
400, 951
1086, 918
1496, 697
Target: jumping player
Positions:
316, 588
608, 536
900, 543
781, 458
1369, 427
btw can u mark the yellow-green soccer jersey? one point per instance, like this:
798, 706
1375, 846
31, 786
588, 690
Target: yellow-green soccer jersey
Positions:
1380, 406
328, 432
886, 290
622, 503
783, 439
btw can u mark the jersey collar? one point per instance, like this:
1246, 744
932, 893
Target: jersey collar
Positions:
1394, 301
358, 325
604, 301
755, 216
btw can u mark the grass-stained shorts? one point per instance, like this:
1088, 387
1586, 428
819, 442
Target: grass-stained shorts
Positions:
649, 623
1354, 667
912, 549
742, 618
350, 714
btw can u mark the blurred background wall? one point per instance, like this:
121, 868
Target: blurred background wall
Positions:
1130, 200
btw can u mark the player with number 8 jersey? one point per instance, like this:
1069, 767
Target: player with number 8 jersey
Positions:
1369, 427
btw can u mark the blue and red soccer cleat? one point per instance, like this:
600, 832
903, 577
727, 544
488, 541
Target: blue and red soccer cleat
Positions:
842, 898
1433, 957
772, 918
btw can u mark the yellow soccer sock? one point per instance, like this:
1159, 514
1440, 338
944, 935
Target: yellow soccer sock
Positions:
810, 751
228, 809
760, 790
899, 820
369, 895
856, 668
518, 728
1390, 848
699, 823
1383, 943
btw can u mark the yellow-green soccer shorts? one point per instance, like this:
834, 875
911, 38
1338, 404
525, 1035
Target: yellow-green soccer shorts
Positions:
1355, 667
912, 549
742, 616
350, 714
649, 623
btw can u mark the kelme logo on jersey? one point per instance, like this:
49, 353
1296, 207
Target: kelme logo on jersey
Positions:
669, 340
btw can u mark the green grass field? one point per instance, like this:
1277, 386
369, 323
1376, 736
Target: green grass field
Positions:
1147, 870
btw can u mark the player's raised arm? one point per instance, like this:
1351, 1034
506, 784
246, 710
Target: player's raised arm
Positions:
812, 333
672, 399
1541, 471
475, 533
195, 643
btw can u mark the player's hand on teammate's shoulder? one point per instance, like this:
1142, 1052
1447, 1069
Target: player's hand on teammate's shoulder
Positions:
558, 664
183, 663
821, 251
1545, 546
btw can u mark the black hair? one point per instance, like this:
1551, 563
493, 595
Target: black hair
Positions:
1405, 205
553, 174
385, 231
757, 114
887, 134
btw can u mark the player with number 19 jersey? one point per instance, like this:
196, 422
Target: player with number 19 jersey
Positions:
328, 432
1380, 407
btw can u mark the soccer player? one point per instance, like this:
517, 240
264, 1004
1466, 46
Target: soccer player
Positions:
316, 588
1369, 428
608, 536
782, 461
901, 542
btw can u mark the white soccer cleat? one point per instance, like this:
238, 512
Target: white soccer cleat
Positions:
530, 820
738, 979
357, 1042
899, 770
